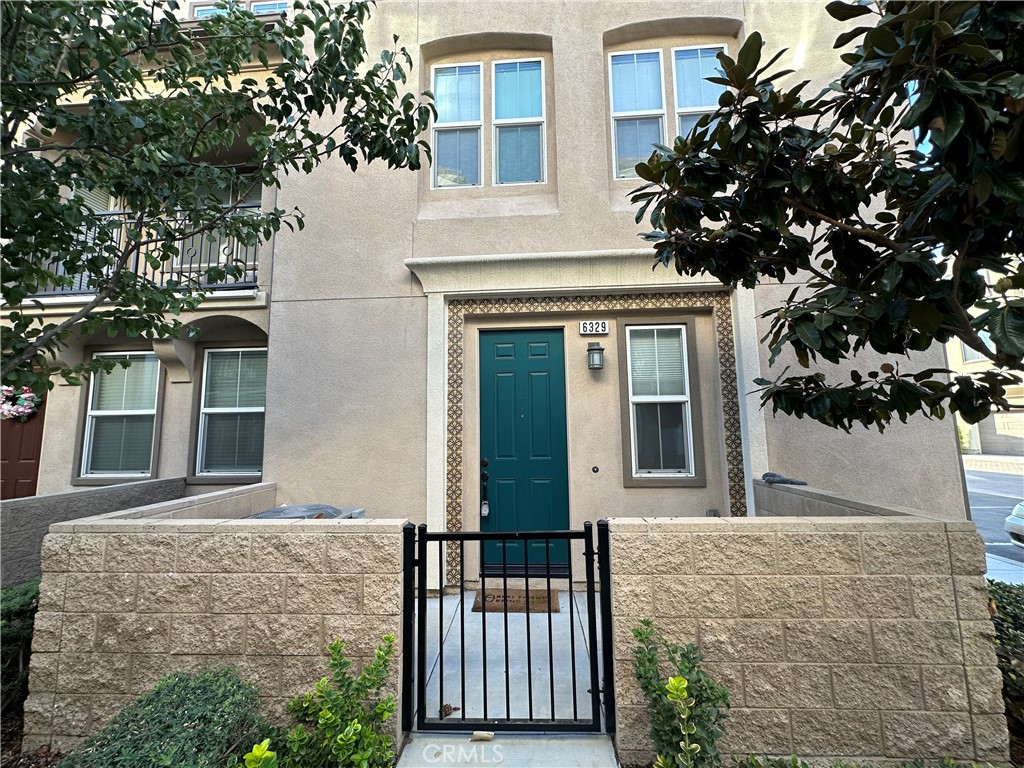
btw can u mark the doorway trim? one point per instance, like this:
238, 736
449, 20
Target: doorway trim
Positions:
459, 309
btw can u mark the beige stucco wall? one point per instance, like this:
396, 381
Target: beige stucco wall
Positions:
125, 603
356, 382
345, 401
852, 637
362, 227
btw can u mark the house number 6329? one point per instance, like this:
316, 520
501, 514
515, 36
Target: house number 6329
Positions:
593, 327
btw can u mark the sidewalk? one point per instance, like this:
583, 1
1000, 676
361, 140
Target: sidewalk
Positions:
988, 462
509, 750
1002, 569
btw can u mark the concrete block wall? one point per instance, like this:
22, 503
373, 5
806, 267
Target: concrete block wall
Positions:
124, 602
859, 637
24, 522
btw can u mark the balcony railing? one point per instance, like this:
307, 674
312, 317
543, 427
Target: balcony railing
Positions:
196, 255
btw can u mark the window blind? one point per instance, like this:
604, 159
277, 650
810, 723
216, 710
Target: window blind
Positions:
636, 82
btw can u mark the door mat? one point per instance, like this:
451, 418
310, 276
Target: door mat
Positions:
496, 601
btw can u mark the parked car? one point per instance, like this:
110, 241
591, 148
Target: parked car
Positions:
1015, 525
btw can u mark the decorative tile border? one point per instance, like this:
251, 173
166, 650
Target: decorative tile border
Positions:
459, 309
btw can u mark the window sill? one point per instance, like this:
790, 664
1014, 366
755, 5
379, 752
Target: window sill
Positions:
223, 479
664, 482
95, 480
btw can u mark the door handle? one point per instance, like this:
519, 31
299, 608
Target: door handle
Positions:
485, 505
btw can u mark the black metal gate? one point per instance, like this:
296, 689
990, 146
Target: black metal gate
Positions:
483, 655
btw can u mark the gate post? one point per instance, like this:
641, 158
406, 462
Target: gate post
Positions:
408, 621
604, 571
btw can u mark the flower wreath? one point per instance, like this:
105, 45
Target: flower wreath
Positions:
21, 406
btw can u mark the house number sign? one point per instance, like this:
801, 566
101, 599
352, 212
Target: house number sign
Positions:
593, 327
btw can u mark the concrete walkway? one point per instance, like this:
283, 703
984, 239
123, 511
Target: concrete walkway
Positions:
1001, 569
430, 750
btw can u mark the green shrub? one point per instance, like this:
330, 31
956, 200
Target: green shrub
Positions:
341, 722
780, 762
1009, 623
17, 617
185, 721
706, 705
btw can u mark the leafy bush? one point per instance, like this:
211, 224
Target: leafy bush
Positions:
341, 722
1009, 622
780, 762
17, 617
185, 721
706, 701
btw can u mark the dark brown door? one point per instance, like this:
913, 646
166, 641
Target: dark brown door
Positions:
20, 444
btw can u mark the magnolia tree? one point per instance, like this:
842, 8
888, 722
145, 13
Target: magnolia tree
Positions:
177, 122
897, 193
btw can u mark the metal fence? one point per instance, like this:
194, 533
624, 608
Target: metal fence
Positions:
196, 255
508, 648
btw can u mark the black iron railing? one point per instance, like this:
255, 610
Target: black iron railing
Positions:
196, 255
487, 667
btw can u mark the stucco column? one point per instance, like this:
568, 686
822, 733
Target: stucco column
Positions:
748, 368
437, 398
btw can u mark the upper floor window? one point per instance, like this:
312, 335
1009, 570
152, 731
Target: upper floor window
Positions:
695, 96
638, 108
638, 99
258, 7
457, 155
518, 122
517, 148
121, 416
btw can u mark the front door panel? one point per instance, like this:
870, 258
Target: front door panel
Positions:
523, 441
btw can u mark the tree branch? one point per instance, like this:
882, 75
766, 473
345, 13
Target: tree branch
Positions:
865, 234
37, 345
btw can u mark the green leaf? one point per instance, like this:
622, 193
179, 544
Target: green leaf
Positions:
845, 11
750, 54
1006, 326
809, 335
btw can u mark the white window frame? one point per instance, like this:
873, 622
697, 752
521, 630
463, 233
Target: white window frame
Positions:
204, 412
616, 116
91, 415
459, 125
247, 4
254, 3
686, 399
680, 111
506, 122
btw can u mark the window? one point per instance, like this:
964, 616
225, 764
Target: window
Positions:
659, 401
517, 117
231, 415
121, 416
638, 94
258, 7
518, 122
637, 108
457, 129
695, 96
971, 355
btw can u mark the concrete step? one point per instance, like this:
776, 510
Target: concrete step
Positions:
508, 750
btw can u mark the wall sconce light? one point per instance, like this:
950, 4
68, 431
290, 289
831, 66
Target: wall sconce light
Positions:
595, 356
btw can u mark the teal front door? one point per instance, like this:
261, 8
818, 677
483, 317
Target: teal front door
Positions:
523, 454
